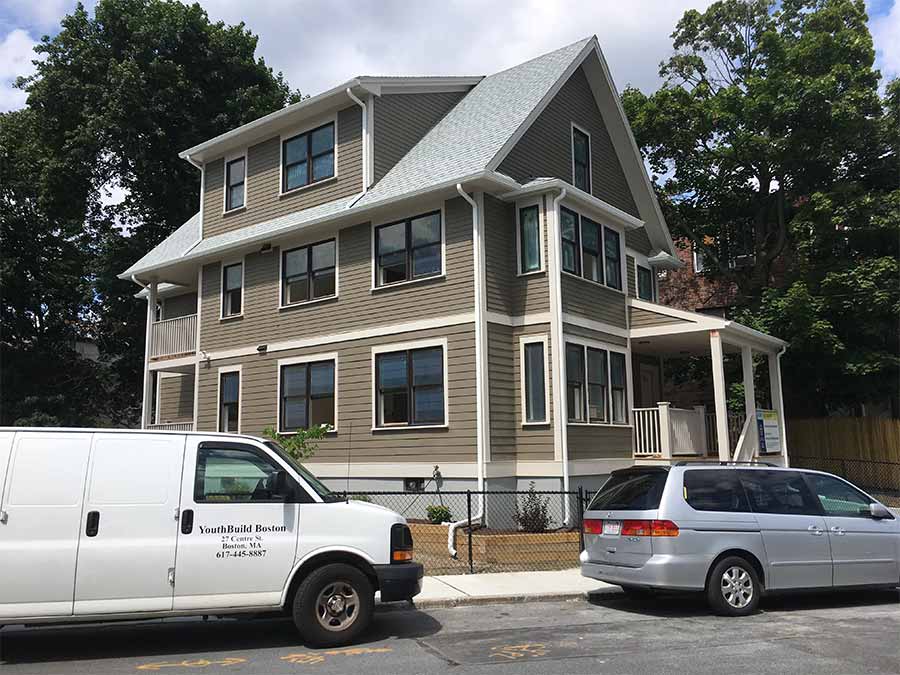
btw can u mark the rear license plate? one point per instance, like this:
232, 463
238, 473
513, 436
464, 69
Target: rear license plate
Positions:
612, 527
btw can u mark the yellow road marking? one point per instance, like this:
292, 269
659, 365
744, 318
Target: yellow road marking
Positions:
319, 657
516, 652
193, 663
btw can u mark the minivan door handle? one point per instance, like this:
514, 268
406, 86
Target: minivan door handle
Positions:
815, 530
837, 530
187, 521
93, 524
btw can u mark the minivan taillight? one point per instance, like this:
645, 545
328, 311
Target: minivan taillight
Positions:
649, 528
593, 526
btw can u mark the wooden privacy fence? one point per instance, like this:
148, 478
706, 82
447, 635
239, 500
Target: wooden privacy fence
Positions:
870, 438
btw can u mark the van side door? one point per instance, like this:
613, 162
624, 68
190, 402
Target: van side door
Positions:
238, 537
129, 528
41, 503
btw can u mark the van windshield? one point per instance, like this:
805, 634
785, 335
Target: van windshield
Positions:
307, 475
630, 491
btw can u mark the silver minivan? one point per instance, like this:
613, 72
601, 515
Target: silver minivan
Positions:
737, 531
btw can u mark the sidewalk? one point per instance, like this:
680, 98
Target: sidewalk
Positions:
472, 589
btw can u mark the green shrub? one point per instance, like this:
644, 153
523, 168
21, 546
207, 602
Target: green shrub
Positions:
362, 498
438, 513
300, 444
533, 515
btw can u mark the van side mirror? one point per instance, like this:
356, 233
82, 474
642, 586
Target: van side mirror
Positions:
879, 511
281, 486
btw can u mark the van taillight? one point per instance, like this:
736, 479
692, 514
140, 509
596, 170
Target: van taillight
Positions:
649, 528
592, 526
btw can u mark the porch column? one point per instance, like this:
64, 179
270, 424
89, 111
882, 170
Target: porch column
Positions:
778, 401
147, 407
752, 438
718, 375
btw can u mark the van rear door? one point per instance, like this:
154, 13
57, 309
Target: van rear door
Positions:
628, 498
129, 529
42, 501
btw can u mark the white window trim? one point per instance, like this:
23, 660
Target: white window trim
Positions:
590, 172
337, 273
623, 265
228, 263
527, 340
296, 131
608, 347
641, 260
539, 202
374, 288
230, 158
229, 369
295, 360
403, 346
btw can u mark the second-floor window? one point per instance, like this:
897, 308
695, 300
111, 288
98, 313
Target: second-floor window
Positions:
235, 182
307, 158
581, 159
645, 289
232, 290
590, 250
408, 250
308, 273
529, 239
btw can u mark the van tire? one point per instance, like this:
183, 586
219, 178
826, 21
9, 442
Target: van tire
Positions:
736, 578
342, 585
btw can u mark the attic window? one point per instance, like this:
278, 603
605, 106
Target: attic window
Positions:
581, 159
307, 158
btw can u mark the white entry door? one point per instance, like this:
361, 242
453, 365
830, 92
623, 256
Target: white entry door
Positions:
238, 537
129, 528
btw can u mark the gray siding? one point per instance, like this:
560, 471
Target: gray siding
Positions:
357, 306
640, 318
507, 292
632, 276
599, 442
176, 399
637, 240
593, 301
546, 147
179, 305
259, 404
590, 334
263, 176
401, 120
509, 439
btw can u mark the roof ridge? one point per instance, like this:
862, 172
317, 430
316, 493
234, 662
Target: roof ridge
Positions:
582, 42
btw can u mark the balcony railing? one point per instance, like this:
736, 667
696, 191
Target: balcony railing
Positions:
666, 432
172, 426
174, 337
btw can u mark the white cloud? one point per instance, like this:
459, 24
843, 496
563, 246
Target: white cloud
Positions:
42, 14
16, 54
886, 33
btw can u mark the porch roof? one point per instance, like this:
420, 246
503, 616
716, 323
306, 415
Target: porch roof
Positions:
659, 328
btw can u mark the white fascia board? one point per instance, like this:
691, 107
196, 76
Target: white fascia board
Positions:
743, 334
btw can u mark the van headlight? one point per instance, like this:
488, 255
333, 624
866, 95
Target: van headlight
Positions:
401, 543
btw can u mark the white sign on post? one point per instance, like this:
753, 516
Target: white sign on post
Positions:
769, 432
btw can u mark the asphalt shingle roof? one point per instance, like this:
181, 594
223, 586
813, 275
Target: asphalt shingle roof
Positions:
171, 248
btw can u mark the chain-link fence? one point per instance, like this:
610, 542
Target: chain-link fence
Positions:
510, 531
879, 479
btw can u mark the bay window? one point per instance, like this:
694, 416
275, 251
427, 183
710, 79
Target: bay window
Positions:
596, 385
529, 240
645, 286
590, 250
575, 394
534, 379
568, 229
612, 251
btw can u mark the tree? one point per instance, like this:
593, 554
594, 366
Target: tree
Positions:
115, 98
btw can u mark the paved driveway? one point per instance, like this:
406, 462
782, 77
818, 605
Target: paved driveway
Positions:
833, 633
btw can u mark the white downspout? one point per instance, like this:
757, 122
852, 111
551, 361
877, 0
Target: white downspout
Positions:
480, 372
781, 421
148, 338
365, 146
559, 351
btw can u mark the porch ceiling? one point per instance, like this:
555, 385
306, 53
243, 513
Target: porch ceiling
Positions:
695, 343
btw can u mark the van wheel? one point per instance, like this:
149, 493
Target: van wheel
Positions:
333, 605
733, 588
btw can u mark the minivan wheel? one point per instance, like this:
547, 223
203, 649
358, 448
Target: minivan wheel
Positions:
333, 605
733, 588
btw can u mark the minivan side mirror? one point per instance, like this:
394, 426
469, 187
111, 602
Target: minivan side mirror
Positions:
879, 511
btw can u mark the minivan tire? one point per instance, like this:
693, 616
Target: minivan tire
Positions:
733, 588
333, 605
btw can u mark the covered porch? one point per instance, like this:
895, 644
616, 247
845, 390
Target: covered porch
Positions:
693, 426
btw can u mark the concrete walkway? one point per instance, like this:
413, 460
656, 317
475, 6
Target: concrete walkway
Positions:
473, 589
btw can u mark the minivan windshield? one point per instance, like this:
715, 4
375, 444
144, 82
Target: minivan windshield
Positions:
632, 490
307, 475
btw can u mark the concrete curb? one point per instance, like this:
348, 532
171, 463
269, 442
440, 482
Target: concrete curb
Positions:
472, 600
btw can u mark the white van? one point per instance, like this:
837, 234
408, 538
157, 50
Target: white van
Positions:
104, 524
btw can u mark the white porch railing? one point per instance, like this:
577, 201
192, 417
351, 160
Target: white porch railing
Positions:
646, 432
735, 424
666, 432
174, 337
172, 426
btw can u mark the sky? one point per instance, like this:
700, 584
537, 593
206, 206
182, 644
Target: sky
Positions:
318, 45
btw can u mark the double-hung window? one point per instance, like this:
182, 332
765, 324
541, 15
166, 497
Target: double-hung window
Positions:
581, 159
529, 239
229, 400
232, 290
307, 158
409, 387
645, 290
235, 183
591, 241
533, 362
308, 273
590, 250
596, 385
612, 252
569, 226
307, 395
410, 249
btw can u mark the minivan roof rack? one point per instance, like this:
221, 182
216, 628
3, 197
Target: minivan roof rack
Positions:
721, 463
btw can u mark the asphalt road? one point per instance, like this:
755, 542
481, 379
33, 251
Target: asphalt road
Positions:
822, 634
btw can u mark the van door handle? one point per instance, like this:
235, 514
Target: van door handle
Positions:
93, 524
815, 530
187, 521
4, 517
837, 530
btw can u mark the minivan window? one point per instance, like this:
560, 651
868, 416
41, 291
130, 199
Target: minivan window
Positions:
783, 492
714, 490
838, 498
630, 491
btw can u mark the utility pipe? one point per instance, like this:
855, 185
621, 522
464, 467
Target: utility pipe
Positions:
480, 388
559, 350
365, 147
